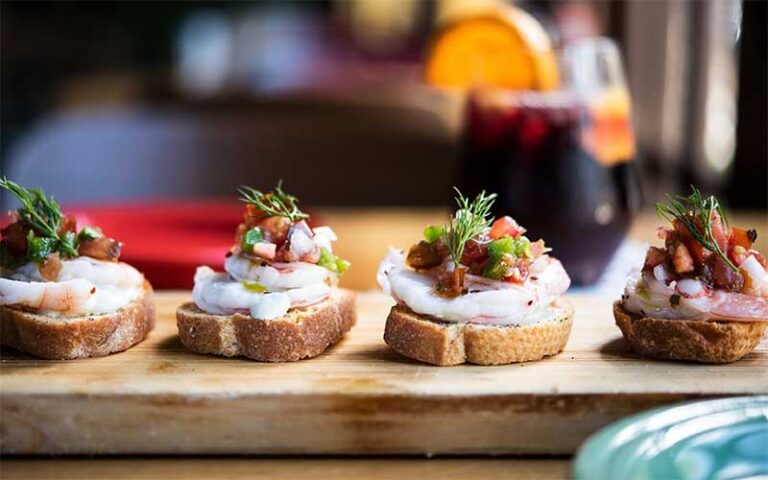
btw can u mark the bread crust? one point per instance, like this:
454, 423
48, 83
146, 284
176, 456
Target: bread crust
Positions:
301, 333
430, 340
66, 338
705, 341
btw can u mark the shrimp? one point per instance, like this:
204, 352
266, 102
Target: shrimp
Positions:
649, 295
70, 296
277, 275
101, 272
487, 301
98, 272
82, 285
219, 294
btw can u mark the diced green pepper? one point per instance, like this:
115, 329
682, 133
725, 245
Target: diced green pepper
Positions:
341, 265
251, 238
499, 247
519, 247
88, 233
523, 247
433, 233
332, 262
327, 259
495, 268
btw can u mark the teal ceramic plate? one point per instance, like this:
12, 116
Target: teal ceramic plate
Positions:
715, 439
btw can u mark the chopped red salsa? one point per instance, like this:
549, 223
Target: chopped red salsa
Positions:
275, 230
700, 244
41, 233
498, 252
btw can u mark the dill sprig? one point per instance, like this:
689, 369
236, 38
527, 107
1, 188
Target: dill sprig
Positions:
470, 220
687, 210
276, 203
43, 214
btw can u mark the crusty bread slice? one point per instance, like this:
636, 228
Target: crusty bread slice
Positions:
301, 333
65, 338
431, 340
706, 341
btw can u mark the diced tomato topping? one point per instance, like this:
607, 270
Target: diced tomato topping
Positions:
685, 256
737, 254
519, 272
681, 230
723, 276
682, 259
474, 252
719, 232
102, 248
741, 237
672, 238
698, 252
68, 224
276, 229
253, 215
505, 226
655, 256
51, 267
15, 238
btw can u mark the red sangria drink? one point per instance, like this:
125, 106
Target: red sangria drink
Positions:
562, 161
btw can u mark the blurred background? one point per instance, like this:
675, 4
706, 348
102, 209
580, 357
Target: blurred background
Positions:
369, 103
176, 99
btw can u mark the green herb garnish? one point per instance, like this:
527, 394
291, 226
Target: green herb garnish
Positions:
695, 207
44, 216
470, 220
276, 203
38, 248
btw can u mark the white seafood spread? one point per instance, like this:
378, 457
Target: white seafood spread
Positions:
486, 301
83, 286
265, 288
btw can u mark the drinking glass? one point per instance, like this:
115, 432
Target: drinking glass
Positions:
562, 161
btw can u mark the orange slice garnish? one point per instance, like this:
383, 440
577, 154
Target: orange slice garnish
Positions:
611, 138
501, 47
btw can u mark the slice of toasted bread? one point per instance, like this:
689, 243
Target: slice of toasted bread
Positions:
65, 338
301, 333
706, 341
431, 340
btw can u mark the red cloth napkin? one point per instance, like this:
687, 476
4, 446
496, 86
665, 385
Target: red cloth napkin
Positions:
167, 240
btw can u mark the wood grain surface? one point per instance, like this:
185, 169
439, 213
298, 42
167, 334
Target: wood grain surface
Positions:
287, 469
359, 397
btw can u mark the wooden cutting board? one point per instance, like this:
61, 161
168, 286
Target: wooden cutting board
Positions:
359, 397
